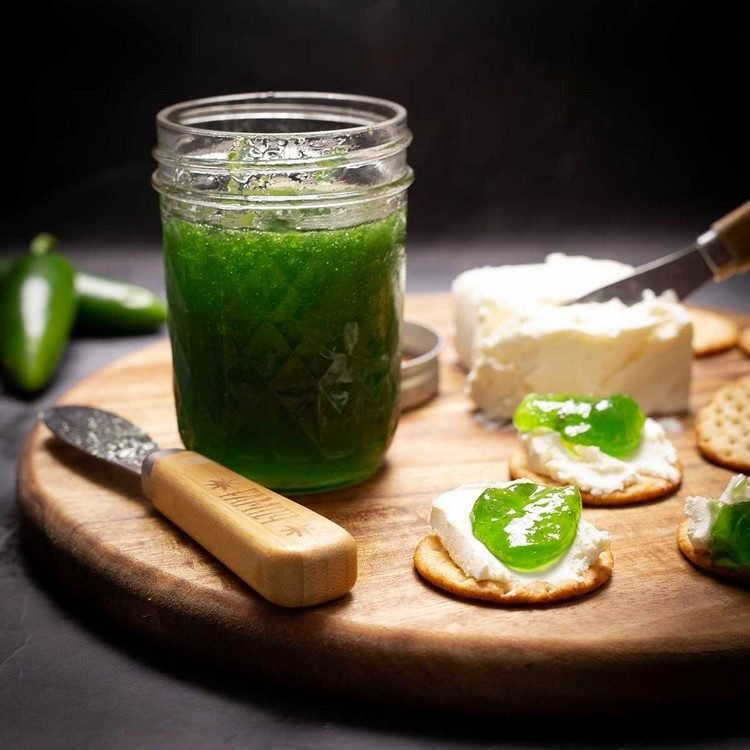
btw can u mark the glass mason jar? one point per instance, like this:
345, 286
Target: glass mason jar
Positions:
284, 218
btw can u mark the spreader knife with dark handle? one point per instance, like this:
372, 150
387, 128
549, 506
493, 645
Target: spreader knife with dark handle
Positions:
289, 554
721, 252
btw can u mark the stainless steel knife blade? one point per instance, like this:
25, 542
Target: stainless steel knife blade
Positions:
102, 434
683, 271
721, 252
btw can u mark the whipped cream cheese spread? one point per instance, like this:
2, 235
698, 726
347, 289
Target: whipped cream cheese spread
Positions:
511, 288
698, 508
451, 521
592, 470
643, 350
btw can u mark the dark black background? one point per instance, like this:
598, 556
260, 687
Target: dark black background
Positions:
525, 114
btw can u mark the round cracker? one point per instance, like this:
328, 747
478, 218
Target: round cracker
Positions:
722, 426
701, 558
433, 563
712, 332
744, 340
652, 489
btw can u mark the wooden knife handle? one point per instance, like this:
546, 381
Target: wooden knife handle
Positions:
289, 554
734, 231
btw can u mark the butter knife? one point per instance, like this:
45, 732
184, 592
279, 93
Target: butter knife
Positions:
286, 552
721, 252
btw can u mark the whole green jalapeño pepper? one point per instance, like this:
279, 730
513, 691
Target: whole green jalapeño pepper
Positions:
37, 307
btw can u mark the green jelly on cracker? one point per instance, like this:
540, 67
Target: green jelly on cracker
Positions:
614, 424
525, 525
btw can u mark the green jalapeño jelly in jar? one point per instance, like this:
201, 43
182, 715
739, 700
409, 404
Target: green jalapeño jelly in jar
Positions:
284, 218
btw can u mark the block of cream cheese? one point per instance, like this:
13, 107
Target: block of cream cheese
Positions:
559, 279
642, 350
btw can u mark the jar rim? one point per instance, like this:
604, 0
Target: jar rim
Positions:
373, 113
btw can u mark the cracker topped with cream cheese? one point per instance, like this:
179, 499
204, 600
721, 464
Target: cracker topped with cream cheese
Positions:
715, 536
513, 543
604, 446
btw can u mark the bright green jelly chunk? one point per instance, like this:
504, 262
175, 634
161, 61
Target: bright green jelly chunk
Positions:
527, 526
612, 423
729, 540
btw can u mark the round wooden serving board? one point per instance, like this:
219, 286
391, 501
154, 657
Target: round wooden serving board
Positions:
659, 632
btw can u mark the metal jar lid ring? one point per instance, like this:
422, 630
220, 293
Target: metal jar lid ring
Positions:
420, 345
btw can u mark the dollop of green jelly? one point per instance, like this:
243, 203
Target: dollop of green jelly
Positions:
729, 539
614, 424
527, 526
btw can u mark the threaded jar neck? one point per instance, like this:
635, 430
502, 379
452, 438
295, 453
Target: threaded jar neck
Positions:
281, 151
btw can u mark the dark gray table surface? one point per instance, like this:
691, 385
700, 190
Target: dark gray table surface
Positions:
70, 678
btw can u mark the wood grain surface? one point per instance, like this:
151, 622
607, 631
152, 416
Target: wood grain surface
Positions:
660, 632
